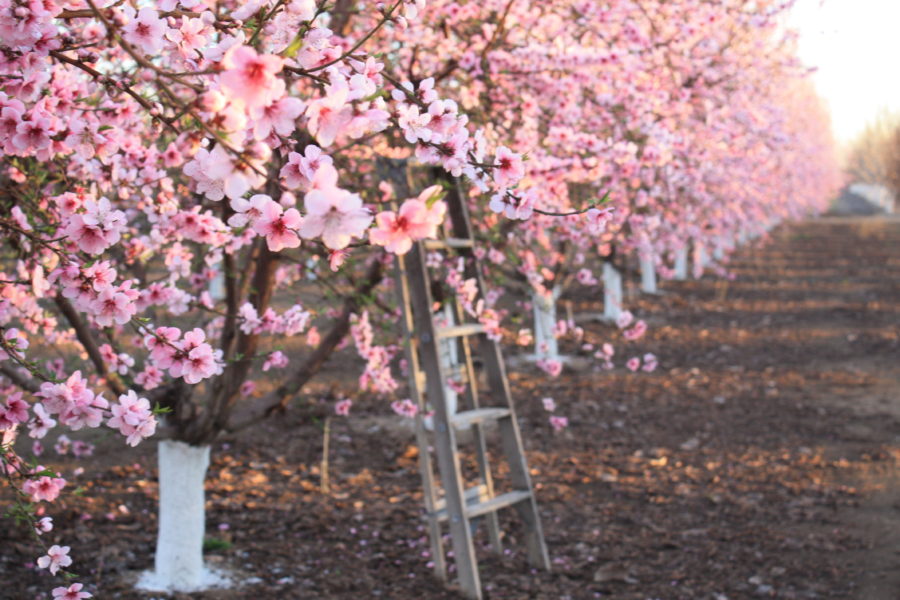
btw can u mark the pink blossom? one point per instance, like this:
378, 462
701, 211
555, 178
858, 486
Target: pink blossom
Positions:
280, 116
98, 228
549, 404
624, 319
73, 592
133, 418
56, 557
113, 306
415, 220
198, 360
43, 525
585, 277
198, 169
330, 114
650, 363
405, 408
342, 407
301, 168
81, 449
33, 134
276, 360
162, 345
550, 366
150, 378
635, 332
524, 337
279, 226
559, 423
251, 77
191, 36
333, 214
598, 219
44, 488
248, 211
146, 31
513, 206
509, 167
13, 411
41, 422
63, 445
83, 409
633, 363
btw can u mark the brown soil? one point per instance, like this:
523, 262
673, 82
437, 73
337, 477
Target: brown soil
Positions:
760, 460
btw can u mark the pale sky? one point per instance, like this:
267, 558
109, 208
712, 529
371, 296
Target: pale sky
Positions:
856, 46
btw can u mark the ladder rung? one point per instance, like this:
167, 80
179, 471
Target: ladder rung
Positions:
449, 243
472, 495
467, 418
496, 503
457, 372
476, 506
460, 330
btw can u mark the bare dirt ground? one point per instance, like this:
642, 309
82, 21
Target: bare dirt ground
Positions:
760, 460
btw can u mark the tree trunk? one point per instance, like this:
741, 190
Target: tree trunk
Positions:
681, 263
700, 260
648, 274
546, 345
612, 291
179, 543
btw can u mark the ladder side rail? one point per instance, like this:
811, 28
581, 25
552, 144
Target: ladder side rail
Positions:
498, 382
481, 451
397, 171
444, 434
426, 468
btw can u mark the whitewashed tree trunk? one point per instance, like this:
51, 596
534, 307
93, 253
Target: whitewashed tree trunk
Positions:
179, 543
648, 274
612, 292
700, 260
681, 263
546, 345
719, 250
217, 286
448, 353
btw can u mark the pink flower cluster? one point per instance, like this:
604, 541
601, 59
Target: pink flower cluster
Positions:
133, 417
190, 357
418, 218
377, 375
92, 291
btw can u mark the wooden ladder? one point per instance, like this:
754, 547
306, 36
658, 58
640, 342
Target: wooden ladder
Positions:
460, 505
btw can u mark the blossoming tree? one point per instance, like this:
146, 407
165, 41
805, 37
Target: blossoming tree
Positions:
177, 176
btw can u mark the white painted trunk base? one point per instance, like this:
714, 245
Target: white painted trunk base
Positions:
681, 263
612, 292
217, 286
179, 544
448, 352
546, 346
648, 275
700, 260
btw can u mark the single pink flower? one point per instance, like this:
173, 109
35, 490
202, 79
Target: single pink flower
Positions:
146, 31
56, 557
335, 215
73, 592
251, 77
279, 226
